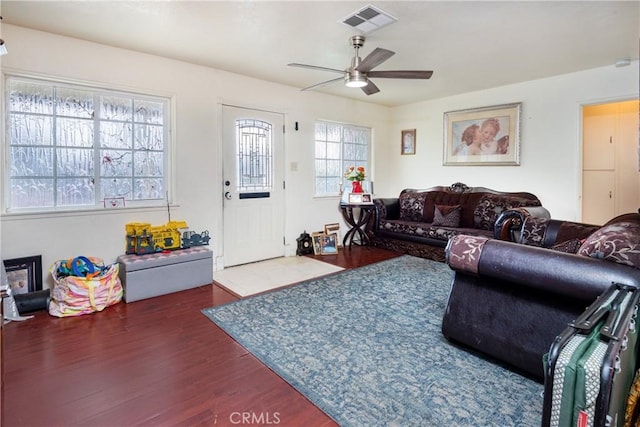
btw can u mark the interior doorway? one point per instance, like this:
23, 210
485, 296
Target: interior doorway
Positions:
610, 164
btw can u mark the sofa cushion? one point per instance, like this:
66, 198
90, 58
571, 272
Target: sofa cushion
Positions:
447, 216
423, 229
412, 206
618, 242
445, 233
411, 228
492, 205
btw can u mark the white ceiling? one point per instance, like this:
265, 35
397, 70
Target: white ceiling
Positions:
469, 45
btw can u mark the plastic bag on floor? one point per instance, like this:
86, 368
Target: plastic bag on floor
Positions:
82, 291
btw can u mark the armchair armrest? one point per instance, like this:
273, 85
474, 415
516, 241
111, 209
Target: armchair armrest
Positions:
509, 223
558, 231
574, 276
388, 208
555, 231
545, 270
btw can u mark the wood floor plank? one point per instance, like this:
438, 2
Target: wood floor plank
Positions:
157, 362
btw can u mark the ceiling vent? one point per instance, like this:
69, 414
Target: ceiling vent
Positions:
368, 19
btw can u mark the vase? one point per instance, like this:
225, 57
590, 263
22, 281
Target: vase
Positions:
356, 187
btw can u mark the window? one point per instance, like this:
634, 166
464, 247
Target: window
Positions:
255, 159
71, 147
337, 147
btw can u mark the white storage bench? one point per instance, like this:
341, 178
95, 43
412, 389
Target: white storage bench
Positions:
146, 276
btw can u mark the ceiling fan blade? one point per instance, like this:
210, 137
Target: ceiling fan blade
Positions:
401, 74
370, 88
315, 67
375, 58
324, 83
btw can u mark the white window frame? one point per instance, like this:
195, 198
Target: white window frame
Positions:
344, 162
168, 146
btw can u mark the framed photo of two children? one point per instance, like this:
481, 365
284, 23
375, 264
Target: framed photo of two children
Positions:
483, 136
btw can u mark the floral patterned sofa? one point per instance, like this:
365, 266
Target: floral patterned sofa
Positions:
509, 300
420, 222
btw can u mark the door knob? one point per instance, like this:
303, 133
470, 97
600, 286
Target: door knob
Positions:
227, 195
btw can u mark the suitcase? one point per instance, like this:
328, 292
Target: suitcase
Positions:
592, 363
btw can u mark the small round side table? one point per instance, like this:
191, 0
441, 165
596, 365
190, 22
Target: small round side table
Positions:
357, 217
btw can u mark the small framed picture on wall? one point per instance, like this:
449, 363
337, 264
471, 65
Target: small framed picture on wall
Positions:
408, 142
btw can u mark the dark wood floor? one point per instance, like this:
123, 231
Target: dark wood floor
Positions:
156, 362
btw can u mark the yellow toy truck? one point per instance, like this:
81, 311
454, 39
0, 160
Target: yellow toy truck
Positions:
143, 238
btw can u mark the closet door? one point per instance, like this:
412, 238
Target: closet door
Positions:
610, 165
598, 163
598, 127
598, 203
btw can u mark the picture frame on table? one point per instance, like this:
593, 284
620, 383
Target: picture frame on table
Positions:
408, 142
329, 245
355, 198
360, 198
316, 239
486, 136
24, 274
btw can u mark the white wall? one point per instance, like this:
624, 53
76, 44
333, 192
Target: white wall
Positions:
550, 152
198, 93
550, 137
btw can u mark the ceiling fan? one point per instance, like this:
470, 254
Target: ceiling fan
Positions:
360, 71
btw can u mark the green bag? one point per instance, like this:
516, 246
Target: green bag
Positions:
591, 365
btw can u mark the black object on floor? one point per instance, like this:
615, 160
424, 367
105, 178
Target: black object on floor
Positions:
32, 301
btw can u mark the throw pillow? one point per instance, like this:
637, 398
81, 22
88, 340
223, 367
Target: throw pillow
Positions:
568, 246
412, 206
447, 216
491, 206
619, 242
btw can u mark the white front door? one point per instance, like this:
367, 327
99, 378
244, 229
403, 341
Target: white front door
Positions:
252, 185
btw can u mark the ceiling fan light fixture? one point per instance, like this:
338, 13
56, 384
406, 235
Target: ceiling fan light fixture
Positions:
357, 75
356, 81
3, 48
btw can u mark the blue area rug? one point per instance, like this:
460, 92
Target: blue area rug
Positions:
365, 346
